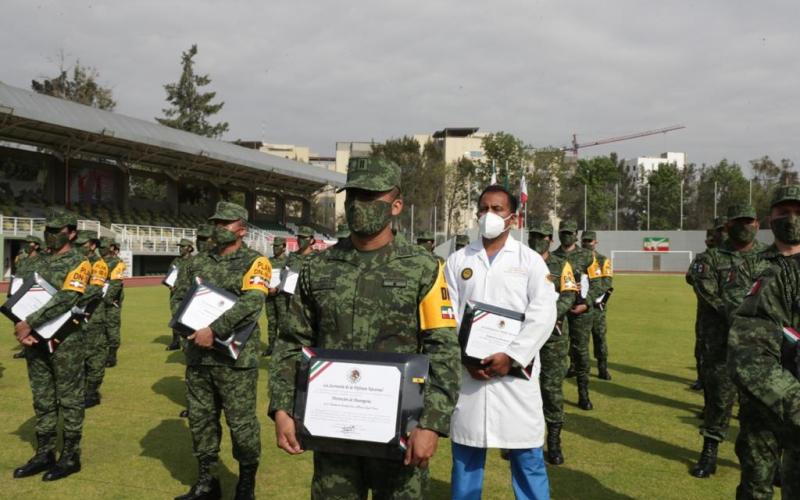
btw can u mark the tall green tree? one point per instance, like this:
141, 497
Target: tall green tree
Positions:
542, 180
508, 154
190, 108
731, 188
663, 186
767, 177
597, 176
80, 84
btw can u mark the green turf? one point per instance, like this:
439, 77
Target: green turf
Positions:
637, 443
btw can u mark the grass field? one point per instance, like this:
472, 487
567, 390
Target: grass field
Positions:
638, 442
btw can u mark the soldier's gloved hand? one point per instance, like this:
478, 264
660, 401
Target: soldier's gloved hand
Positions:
285, 435
421, 447
22, 330
203, 338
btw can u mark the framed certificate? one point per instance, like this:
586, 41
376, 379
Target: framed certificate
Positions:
275, 279
486, 330
359, 402
14, 285
171, 277
32, 295
202, 306
288, 282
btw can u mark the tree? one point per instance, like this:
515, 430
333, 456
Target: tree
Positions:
508, 154
78, 85
731, 188
543, 183
458, 193
191, 108
768, 176
598, 177
663, 186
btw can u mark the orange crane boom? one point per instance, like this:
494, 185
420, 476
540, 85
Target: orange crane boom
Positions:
575, 146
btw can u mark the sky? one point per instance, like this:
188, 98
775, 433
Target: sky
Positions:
314, 73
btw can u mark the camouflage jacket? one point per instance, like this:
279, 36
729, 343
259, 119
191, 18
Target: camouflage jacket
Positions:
180, 264
28, 265
601, 275
245, 273
392, 300
565, 283
736, 272
115, 293
69, 274
277, 263
581, 261
761, 355
97, 279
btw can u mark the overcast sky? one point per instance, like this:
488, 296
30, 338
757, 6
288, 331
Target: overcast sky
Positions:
314, 73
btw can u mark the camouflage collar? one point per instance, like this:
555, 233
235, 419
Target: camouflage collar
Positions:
239, 253
345, 251
727, 247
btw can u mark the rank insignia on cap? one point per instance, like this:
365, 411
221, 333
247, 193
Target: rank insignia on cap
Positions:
466, 273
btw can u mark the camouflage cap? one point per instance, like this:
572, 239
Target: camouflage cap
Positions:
58, 218
589, 235
106, 242
84, 236
185, 243
742, 211
204, 231
33, 239
372, 174
785, 193
342, 231
462, 239
425, 236
229, 211
278, 241
568, 226
305, 231
720, 222
541, 227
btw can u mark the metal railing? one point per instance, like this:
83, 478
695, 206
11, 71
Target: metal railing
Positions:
23, 226
151, 239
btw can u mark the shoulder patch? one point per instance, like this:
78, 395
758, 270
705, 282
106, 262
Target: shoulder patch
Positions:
118, 272
466, 273
436, 310
568, 282
99, 273
78, 278
594, 270
608, 272
258, 276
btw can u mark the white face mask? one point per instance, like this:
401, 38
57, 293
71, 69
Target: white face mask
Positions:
492, 225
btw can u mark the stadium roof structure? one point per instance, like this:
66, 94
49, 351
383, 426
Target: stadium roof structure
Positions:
73, 129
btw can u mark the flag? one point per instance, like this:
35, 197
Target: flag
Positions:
523, 200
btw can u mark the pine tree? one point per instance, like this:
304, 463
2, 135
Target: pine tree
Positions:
80, 87
191, 108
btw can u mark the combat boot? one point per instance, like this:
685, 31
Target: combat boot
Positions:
20, 354
42, 460
69, 462
554, 455
602, 370
206, 487
246, 487
175, 344
697, 385
92, 397
570, 372
111, 360
584, 403
707, 464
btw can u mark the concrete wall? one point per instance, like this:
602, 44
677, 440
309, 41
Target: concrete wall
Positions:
693, 241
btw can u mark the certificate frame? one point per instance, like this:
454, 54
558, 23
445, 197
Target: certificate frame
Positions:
233, 345
470, 311
171, 277
57, 328
413, 369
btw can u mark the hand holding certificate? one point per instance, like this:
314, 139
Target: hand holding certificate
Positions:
487, 330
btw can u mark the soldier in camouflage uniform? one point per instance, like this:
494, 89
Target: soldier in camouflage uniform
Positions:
94, 321
425, 240
114, 298
370, 293
278, 262
214, 381
721, 281
764, 362
342, 232
25, 264
710, 242
185, 247
57, 378
581, 316
553, 354
602, 265
294, 261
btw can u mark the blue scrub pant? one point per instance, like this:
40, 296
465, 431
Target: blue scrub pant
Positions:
528, 473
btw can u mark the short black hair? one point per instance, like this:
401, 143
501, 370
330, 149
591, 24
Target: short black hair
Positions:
494, 188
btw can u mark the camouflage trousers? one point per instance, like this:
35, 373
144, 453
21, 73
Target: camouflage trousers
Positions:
347, 477
211, 389
273, 312
790, 464
720, 393
96, 347
57, 385
553, 357
698, 344
113, 322
599, 335
759, 452
580, 329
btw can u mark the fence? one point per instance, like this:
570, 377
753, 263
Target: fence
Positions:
23, 226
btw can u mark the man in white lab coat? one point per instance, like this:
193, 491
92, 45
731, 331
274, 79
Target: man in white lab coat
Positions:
496, 410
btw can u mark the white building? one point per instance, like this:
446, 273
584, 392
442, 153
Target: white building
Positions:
640, 167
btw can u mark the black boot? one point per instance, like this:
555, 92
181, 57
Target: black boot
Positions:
584, 403
184, 413
570, 372
69, 462
111, 361
20, 354
777, 480
92, 397
707, 464
602, 370
42, 460
696, 385
206, 487
246, 487
175, 344
554, 455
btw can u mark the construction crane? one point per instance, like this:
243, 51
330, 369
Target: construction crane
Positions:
575, 146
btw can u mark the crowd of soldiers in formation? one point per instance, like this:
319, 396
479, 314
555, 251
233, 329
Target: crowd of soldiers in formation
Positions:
746, 345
